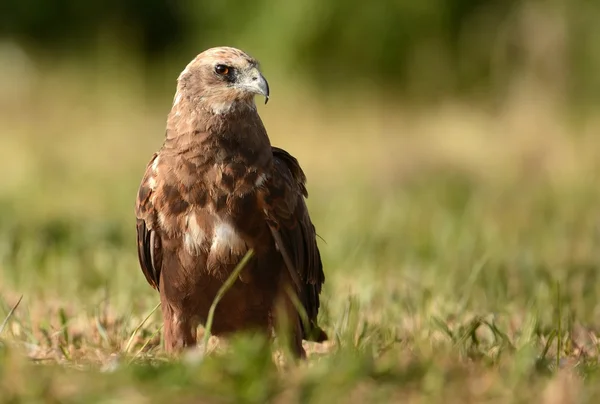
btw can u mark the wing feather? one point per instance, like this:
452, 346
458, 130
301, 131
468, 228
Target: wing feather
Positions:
294, 233
148, 241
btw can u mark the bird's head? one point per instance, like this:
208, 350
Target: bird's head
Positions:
220, 80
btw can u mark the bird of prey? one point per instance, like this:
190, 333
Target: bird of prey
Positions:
215, 189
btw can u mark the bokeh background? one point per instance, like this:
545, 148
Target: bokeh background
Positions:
452, 149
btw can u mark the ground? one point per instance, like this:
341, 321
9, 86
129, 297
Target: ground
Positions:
460, 247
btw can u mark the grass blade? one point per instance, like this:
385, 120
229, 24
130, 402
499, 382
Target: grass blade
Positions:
551, 338
101, 330
559, 331
64, 324
140, 325
9, 315
224, 288
145, 345
443, 327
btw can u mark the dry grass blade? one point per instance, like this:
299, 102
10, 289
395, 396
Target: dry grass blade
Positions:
140, 325
9, 315
101, 330
224, 288
145, 344
559, 330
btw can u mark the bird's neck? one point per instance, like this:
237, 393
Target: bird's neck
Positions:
236, 127
212, 103
228, 107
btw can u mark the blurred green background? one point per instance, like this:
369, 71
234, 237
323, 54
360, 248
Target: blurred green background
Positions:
452, 150
422, 49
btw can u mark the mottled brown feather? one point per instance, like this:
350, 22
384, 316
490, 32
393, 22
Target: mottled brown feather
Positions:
288, 217
215, 189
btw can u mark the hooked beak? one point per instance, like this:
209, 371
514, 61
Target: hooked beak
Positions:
256, 83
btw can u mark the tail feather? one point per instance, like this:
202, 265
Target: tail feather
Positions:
316, 334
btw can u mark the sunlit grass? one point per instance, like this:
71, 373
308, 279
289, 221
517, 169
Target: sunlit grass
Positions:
460, 249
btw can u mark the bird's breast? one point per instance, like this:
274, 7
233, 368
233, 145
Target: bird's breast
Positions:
226, 239
209, 209
230, 230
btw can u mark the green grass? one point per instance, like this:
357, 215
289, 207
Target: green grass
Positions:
461, 255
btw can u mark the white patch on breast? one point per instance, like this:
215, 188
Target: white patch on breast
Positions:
194, 235
225, 236
261, 180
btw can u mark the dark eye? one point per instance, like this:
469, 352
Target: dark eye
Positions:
222, 70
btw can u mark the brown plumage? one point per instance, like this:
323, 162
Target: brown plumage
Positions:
215, 189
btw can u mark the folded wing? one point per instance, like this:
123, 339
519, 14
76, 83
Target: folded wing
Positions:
148, 240
294, 233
